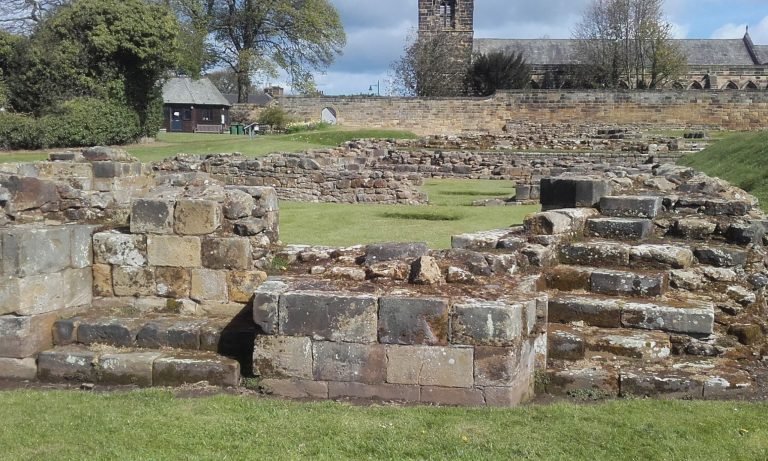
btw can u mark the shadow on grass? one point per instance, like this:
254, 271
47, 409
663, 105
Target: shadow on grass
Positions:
424, 215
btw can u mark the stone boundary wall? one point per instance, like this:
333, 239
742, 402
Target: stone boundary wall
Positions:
733, 110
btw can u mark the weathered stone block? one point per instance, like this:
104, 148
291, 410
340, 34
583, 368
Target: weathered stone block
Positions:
568, 278
295, 388
283, 357
27, 193
661, 256
117, 249
102, 280
238, 204
595, 254
452, 396
242, 284
329, 316
681, 320
197, 217
390, 251
208, 285
618, 283
383, 392
65, 331
127, 368
425, 271
509, 396
21, 369
178, 334
652, 383
133, 281
266, 305
499, 366
605, 313
487, 323
573, 192
347, 362
631, 206
29, 251
194, 367
174, 251
67, 364
632, 343
22, 337
721, 257
81, 246
173, 282
430, 366
564, 344
152, 216
727, 207
227, 253
548, 223
562, 382
620, 228
119, 332
413, 321
745, 234
694, 228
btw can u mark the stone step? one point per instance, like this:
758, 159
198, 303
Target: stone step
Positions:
631, 206
143, 368
229, 337
602, 253
607, 281
678, 317
620, 228
571, 342
672, 377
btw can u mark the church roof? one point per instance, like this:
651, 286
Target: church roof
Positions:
728, 52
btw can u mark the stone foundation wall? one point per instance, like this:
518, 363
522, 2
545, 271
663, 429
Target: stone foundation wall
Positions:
723, 109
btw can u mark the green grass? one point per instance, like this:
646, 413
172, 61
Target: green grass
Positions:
740, 159
155, 425
170, 144
449, 213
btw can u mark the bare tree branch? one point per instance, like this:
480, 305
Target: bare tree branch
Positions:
22, 16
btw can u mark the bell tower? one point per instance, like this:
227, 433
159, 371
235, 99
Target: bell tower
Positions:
455, 17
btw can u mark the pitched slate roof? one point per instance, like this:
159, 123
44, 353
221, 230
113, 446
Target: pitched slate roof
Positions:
563, 51
184, 90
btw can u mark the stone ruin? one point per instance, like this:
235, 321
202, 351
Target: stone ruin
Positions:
638, 279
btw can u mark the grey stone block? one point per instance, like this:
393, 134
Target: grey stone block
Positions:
727, 208
347, 362
133, 368
695, 321
573, 192
661, 256
618, 283
745, 234
197, 217
721, 256
565, 344
28, 251
605, 313
152, 216
430, 366
67, 364
413, 321
113, 331
175, 333
389, 251
283, 357
620, 228
329, 316
487, 323
595, 254
82, 246
227, 253
118, 249
266, 305
652, 383
193, 367
631, 206
548, 223
18, 369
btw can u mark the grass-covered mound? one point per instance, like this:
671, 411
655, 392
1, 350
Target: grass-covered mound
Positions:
741, 159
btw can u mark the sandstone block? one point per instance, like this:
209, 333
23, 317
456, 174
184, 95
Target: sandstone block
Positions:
631, 343
425, 271
243, 284
347, 362
509, 396
382, 392
548, 223
694, 228
620, 228
631, 206
29, 251
395, 270
197, 217
117, 249
194, 367
452, 396
561, 382
21, 369
605, 313
329, 316
127, 368
102, 280
283, 357
266, 305
617, 283
174, 251
238, 204
152, 216
487, 323
208, 285
133, 281
173, 282
227, 253
652, 383
661, 256
430, 366
680, 320
573, 192
413, 321
81, 246
22, 337
27, 193
390, 251
295, 388
500, 366
564, 344
249, 227
67, 364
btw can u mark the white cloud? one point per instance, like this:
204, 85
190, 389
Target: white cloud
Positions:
680, 30
759, 33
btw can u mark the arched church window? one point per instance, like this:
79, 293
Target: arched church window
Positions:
696, 85
447, 12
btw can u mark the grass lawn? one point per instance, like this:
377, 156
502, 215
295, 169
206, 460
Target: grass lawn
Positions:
170, 144
155, 425
739, 158
449, 213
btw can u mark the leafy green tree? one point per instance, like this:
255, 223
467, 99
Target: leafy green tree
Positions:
108, 49
497, 70
262, 36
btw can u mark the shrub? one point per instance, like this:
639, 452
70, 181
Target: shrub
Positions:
274, 116
19, 132
89, 122
301, 127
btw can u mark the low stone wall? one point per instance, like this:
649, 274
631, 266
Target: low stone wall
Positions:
735, 110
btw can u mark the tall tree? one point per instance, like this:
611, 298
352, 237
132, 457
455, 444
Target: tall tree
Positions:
22, 16
628, 43
497, 70
428, 66
252, 36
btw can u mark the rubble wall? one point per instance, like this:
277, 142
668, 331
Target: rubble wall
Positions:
734, 110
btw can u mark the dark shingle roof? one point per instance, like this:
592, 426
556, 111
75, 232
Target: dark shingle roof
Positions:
762, 53
184, 90
259, 99
563, 51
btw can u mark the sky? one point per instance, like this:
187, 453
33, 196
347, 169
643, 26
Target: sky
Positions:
377, 30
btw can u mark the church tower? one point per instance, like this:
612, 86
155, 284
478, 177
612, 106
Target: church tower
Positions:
456, 17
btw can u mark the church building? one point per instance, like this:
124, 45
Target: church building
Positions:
729, 64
